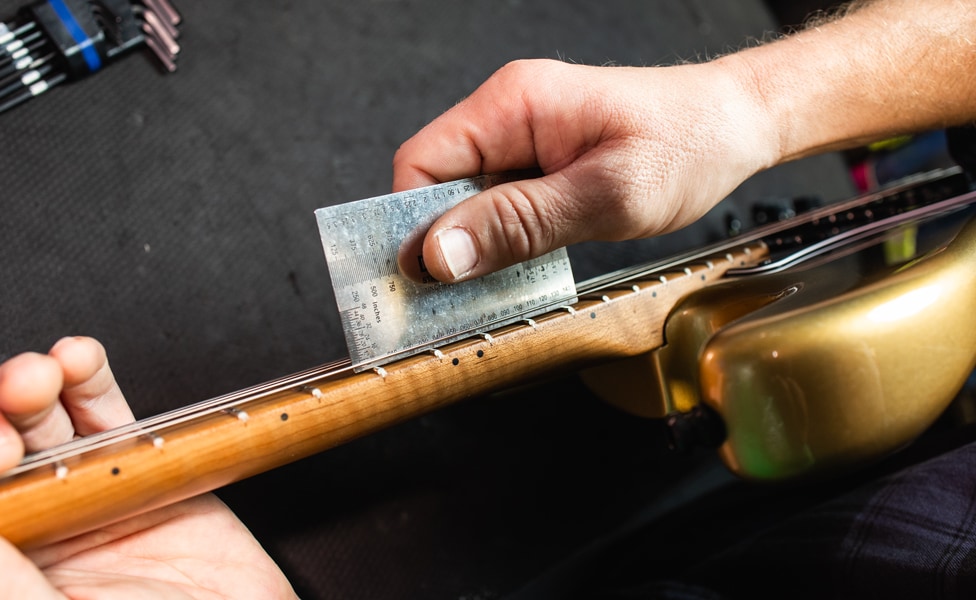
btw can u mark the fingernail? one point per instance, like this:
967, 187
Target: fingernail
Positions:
458, 250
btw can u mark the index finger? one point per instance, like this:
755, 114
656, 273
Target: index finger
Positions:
31, 417
490, 131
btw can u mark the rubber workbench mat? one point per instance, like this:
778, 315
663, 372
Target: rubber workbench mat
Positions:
171, 217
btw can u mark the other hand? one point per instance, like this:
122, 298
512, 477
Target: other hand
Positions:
193, 549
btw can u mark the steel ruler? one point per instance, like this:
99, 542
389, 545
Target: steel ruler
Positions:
385, 315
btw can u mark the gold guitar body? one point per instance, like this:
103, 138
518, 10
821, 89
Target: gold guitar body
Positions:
826, 365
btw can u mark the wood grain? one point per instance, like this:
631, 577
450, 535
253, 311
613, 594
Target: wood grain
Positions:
108, 484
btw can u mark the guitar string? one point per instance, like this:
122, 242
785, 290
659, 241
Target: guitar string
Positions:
767, 231
157, 423
317, 375
919, 215
309, 378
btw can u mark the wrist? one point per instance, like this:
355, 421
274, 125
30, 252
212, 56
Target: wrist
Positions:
889, 68
758, 139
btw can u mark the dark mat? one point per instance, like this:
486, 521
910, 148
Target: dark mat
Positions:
171, 217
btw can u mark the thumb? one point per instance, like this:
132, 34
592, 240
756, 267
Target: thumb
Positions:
505, 225
21, 578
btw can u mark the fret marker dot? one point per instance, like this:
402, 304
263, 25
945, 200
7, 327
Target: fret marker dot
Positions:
455, 362
116, 470
284, 416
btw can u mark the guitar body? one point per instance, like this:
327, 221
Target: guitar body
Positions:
824, 366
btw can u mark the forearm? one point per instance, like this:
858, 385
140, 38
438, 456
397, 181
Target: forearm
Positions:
889, 67
635, 152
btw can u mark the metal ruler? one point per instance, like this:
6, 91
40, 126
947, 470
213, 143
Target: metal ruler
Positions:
385, 315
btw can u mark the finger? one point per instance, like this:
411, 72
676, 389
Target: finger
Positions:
497, 228
29, 388
21, 578
11, 445
90, 394
517, 221
446, 149
442, 151
413, 169
493, 129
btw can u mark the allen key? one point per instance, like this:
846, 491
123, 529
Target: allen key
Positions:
77, 38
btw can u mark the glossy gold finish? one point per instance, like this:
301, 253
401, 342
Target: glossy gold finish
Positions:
845, 378
830, 366
819, 368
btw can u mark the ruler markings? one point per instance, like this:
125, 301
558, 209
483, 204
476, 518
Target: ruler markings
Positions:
385, 315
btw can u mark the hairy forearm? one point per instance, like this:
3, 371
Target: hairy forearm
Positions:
633, 152
887, 67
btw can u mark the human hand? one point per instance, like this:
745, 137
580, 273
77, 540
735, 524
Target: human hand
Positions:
625, 153
193, 549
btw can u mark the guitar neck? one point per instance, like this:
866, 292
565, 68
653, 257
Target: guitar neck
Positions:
153, 464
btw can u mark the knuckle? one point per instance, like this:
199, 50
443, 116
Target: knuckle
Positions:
524, 223
401, 159
522, 73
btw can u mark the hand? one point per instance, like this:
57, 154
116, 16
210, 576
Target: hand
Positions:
625, 152
633, 152
193, 549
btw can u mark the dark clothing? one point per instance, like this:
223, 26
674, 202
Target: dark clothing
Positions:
910, 534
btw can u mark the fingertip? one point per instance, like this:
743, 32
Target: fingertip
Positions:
29, 383
408, 172
80, 358
90, 394
495, 229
